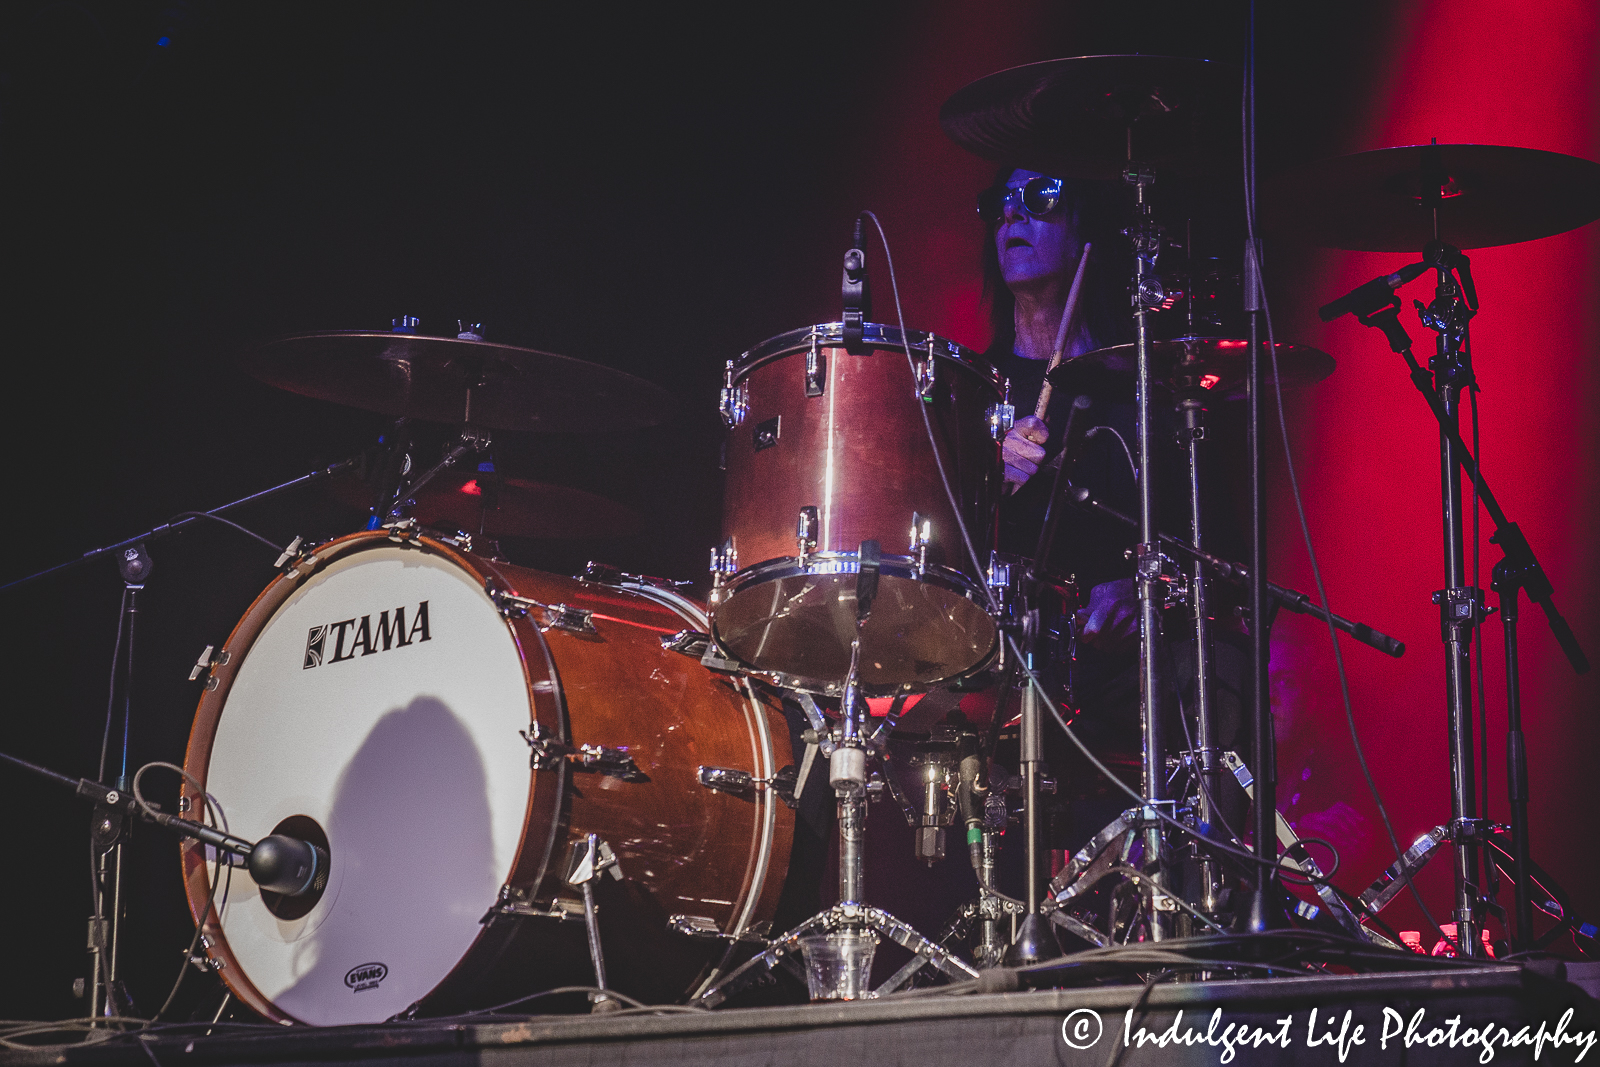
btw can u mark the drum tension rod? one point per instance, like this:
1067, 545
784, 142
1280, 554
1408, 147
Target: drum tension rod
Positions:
546, 753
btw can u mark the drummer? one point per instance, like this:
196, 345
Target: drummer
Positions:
1038, 228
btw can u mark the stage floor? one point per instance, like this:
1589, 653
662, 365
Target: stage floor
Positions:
1502, 1014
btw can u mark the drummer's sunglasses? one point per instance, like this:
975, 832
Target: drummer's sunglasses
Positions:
1037, 197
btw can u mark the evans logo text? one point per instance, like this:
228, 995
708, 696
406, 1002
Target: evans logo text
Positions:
365, 976
337, 641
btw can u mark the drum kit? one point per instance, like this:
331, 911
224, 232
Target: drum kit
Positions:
502, 781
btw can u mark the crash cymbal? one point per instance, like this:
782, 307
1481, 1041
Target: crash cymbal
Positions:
445, 379
499, 506
1218, 364
1071, 117
1490, 195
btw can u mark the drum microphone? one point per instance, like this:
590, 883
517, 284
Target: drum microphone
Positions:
277, 863
1371, 296
857, 296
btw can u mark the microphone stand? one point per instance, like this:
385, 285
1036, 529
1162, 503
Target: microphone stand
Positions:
158, 532
1461, 608
1282, 596
1035, 940
110, 828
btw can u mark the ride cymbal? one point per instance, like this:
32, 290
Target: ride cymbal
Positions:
1488, 195
450, 380
1081, 116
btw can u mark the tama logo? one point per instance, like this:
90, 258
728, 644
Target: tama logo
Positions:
365, 976
337, 641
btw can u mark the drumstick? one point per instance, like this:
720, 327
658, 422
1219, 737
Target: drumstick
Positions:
1067, 317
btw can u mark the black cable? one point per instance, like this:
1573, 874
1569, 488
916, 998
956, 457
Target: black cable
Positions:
211, 812
228, 522
613, 994
1325, 843
927, 424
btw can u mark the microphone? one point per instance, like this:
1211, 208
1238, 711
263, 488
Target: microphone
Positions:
1369, 297
277, 863
289, 866
857, 296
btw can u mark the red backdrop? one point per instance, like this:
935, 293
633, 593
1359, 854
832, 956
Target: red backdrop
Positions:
1365, 444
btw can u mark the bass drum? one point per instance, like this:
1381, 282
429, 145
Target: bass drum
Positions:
448, 726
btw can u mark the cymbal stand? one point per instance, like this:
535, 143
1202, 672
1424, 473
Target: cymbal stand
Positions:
848, 744
1461, 609
1147, 294
1191, 409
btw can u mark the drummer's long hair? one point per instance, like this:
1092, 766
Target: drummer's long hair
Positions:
1106, 314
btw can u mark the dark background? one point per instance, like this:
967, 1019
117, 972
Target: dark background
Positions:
656, 192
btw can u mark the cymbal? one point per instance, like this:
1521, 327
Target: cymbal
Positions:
499, 506
1071, 117
444, 379
1491, 195
1220, 365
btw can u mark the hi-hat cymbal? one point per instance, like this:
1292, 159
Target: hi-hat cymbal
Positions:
1220, 365
495, 505
1072, 117
445, 379
1489, 195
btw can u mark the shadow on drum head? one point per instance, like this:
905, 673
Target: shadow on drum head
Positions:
410, 825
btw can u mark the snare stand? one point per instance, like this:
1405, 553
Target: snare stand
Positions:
849, 744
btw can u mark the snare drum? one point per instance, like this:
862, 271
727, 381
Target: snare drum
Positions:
447, 726
826, 450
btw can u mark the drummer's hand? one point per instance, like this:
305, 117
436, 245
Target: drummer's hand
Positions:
1023, 449
1112, 618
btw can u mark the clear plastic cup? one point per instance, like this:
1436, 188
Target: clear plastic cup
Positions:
839, 964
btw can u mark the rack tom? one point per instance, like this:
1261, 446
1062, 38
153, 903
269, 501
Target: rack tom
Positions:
826, 450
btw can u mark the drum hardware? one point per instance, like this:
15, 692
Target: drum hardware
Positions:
513, 903
805, 532
203, 666
1002, 416
606, 574
1493, 213
816, 366
1238, 574
744, 784
701, 927
556, 616
1295, 854
926, 374
472, 440
921, 535
592, 859
735, 399
546, 753
849, 744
